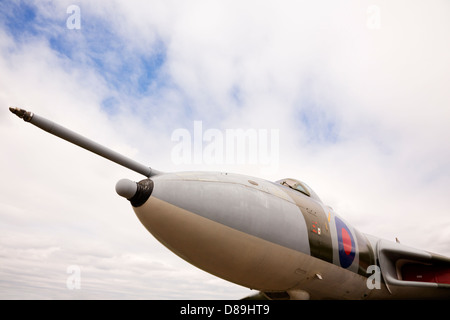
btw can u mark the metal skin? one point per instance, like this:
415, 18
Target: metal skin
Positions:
275, 237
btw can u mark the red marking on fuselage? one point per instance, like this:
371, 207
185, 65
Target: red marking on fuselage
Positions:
347, 242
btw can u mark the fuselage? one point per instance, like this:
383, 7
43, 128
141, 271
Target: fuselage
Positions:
276, 237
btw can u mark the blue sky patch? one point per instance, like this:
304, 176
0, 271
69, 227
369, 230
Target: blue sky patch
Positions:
320, 126
95, 45
19, 18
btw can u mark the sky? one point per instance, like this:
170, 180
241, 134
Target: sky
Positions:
353, 96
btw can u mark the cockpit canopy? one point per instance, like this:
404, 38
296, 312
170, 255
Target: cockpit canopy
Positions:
300, 187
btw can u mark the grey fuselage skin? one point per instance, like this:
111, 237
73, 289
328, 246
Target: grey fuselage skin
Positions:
276, 237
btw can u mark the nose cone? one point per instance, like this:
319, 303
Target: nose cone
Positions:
126, 188
136, 193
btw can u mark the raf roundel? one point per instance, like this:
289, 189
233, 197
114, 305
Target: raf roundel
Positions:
346, 244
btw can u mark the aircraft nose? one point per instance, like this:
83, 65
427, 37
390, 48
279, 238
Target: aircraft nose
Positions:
135, 192
256, 208
237, 228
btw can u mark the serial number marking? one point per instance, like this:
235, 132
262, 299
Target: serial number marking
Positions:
244, 309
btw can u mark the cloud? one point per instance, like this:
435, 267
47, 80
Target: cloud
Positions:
362, 114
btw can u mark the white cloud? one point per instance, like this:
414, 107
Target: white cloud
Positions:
381, 94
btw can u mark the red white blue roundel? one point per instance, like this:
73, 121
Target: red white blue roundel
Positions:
346, 244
